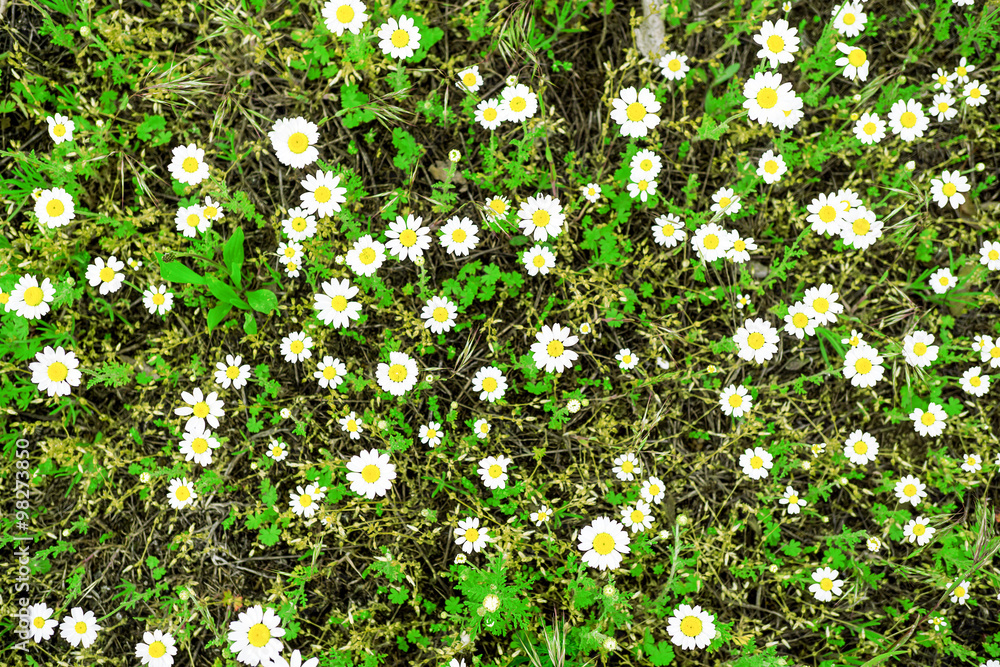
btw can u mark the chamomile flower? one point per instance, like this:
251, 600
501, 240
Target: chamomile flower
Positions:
873, 544
469, 79
641, 189
322, 196
823, 304
942, 280
188, 164
197, 446
180, 493
869, 129
439, 314
60, 128
740, 248
255, 636
289, 252
517, 103
341, 15
742, 301
711, 242
771, 167
849, 19
919, 349
960, 593
330, 372
973, 382
635, 110
55, 371
854, 61
293, 141
469, 536
497, 206
949, 188
777, 42
296, 661
399, 375
407, 237
490, 382
726, 202
757, 340
352, 425
793, 500
399, 38
668, 230
911, 490
201, 409
493, 471
232, 373
541, 217
299, 225
691, 627
370, 474
972, 463
644, 165
55, 208
550, 351
296, 347
277, 450
292, 270
854, 340
860, 228
989, 255
592, 192
961, 74
459, 236
918, 530
930, 422
430, 434
860, 447
943, 80
538, 259
674, 66
827, 584
334, 303
637, 517
29, 298
79, 628
191, 221
800, 321
975, 93
304, 502
863, 366
490, 113
543, 515
626, 360
825, 214
41, 625
788, 112
653, 490
766, 96
366, 256
626, 467
481, 428
756, 462
603, 543
907, 119
736, 400
943, 106
108, 274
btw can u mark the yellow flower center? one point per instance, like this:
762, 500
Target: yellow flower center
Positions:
440, 314
554, 348
59, 130
958, 592
157, 650
517, 104
604, 543
538, 261
259, 635
724, 202
367, 256
490, 385
627, 466
861, 226
299, 224
193, 220
182, 493
654, 489
431, 434
821, 305
919, 349
674, 65
276, 451
857, 57
33, 296
371, 473
540, 218
322, 194
298, 143
400, 38
329, 373
949, 189
993, 255
57, 371
974, 93
667, 230
637, 516
771, 166
55, 208
107, 274
849, 19
942, 107
352, 426
800, 320
190, 165
199, 445
645, 165
755, 340
339, 303
289, 252
233, 372
458, 236
975, 381
635, 112
909, 490
919, 529
826, 584
739, 245
345, 13
201, 409
498, 205
860, 447
80, 628
767, 98
756, 462
642, 185
870, 128
943, 280
863, 366
210, 212
775, 44
305, 500
397, 372
469, 80
489, 114
471, 535
495, 471
793, 499
691, 626
927, 419
735, 400
908, 119
942, 79
828, 213
627, 359
297, 346
961, 71
408, 238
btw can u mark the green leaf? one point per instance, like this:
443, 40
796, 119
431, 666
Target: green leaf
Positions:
270, 536
249, 324
176, 272
217, 314
223, 292
262, 300
232, 255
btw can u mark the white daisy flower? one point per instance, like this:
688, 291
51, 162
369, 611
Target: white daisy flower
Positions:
930, 422
919, 349
352, 425
341, 15
771, 167
973, 382
191, 221
869, 129
430, 434
481, 428
538, 259
41, 625
399, 38
490, 113
766, 96
493, 471
201, 409
188, 164
366, 256
180, 493
949, 188
60, 128
293, 141
543, 515
849, 19
641, 190
736, 401
863, 366
370, 474
55, 371
79, 628
822, 303
674, 66
635, 111
918, 530
156, 649
399, 375
989, 255
740, 249
975, 93
277, 450
943, 80
960, 594
407, 237
653, 490
800, 321
827, 584
255, 636
490, 382
299, 225
756, 462
668, 230
911, 490
637, 517
860, 447
777, 42
439, 314
550, 349
334, 303
726, 202
757, 340
517, 103
855, 61
942, 280
541, 217
644, 164
943, 106
592, 192
469, 79
55, 208
626, 467
304, 502
106, 274
961, 74
322, 196
459, 236
232, 373
603, 543
296, 347
330, 372
972, 463
711, 242
907, 119
792, 499
860, 228
470, 537
29, 298
825, 215
197, 446
691, 627
626, 360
